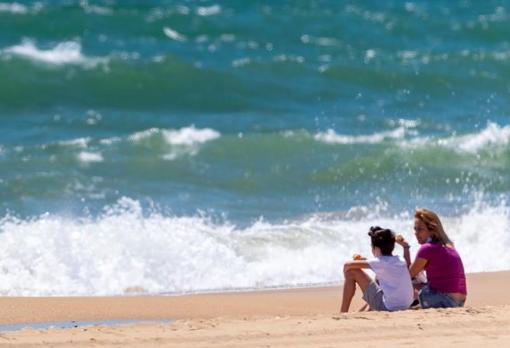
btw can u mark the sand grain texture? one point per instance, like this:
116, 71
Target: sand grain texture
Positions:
286, 318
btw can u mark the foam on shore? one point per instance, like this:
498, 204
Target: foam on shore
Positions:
127, 250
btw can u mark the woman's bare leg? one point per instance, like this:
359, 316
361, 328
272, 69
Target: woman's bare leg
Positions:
352, 277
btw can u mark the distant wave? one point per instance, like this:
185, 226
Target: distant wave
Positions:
177, 143
174, 35
94, 9
138, 136
187, 136
68, 52
190, 136
128, 248
184, 141
15, 8
492, 136
79, 142
110, 141
87, 157
331, 137
208, 10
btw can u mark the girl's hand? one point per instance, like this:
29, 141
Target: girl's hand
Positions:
399, 239
357, 257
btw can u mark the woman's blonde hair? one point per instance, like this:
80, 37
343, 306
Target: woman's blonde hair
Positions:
431, 220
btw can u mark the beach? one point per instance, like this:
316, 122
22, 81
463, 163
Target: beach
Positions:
294, 317
194, 173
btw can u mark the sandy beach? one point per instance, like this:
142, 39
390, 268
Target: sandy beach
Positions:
295, 318
197, 173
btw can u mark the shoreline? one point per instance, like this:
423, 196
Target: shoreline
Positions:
483, 289
297, 318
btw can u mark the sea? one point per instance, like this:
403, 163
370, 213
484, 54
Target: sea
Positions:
189, 146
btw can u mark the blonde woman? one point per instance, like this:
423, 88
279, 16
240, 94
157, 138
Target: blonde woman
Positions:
446, 285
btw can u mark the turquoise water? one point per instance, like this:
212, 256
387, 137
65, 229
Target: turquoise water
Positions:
236, 113
75, 324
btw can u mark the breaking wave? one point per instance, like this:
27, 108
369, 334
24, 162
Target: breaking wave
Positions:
126, 249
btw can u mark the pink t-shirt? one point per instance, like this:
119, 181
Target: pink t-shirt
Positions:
444, 268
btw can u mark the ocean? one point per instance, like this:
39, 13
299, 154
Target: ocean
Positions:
168, 147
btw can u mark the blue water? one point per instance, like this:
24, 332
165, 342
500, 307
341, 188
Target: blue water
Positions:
229, 113
73, 324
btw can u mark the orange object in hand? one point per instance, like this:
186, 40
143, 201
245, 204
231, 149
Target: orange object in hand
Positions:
357, 257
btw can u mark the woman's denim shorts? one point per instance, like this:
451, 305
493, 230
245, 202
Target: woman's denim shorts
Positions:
433, 299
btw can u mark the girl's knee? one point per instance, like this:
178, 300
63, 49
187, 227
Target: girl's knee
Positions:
350, 273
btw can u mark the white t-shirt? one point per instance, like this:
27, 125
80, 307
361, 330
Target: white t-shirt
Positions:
395, 281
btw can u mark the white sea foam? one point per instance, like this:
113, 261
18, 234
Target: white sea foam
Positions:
182, 142
406, 135
236, 63
369, 55
78, 142
127, 249
187, 136
492, 136
138, 136
87, 157
174, 35
482, 237
14, 7
402, 122
288, 58
110, 141
331, 137
68, 52
321, 41
208, 10
190, 136
94, 9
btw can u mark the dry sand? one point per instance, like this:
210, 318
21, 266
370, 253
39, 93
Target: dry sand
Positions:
290, 318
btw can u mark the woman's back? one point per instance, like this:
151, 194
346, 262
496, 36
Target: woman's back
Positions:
445, 271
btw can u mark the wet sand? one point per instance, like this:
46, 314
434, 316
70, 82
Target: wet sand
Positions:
296, 318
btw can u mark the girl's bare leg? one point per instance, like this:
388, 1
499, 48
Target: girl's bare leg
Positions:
352, 277
364, 308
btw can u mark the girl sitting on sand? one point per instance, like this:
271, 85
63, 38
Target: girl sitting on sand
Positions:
393, 289
446, 285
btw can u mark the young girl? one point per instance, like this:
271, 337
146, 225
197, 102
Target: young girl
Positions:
393, 289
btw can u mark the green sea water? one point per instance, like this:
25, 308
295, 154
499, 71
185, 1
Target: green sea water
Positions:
236, 114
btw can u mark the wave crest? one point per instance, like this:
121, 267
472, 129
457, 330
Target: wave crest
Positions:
14, 8
492, 136
184, 141
127, 248
68, 52
331, 137
187, 136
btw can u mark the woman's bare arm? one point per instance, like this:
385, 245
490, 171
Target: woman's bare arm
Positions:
417, 266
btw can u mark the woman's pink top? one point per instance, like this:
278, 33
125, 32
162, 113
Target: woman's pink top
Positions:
445, 272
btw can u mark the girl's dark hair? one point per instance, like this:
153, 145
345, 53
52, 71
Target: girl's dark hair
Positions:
382, 238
